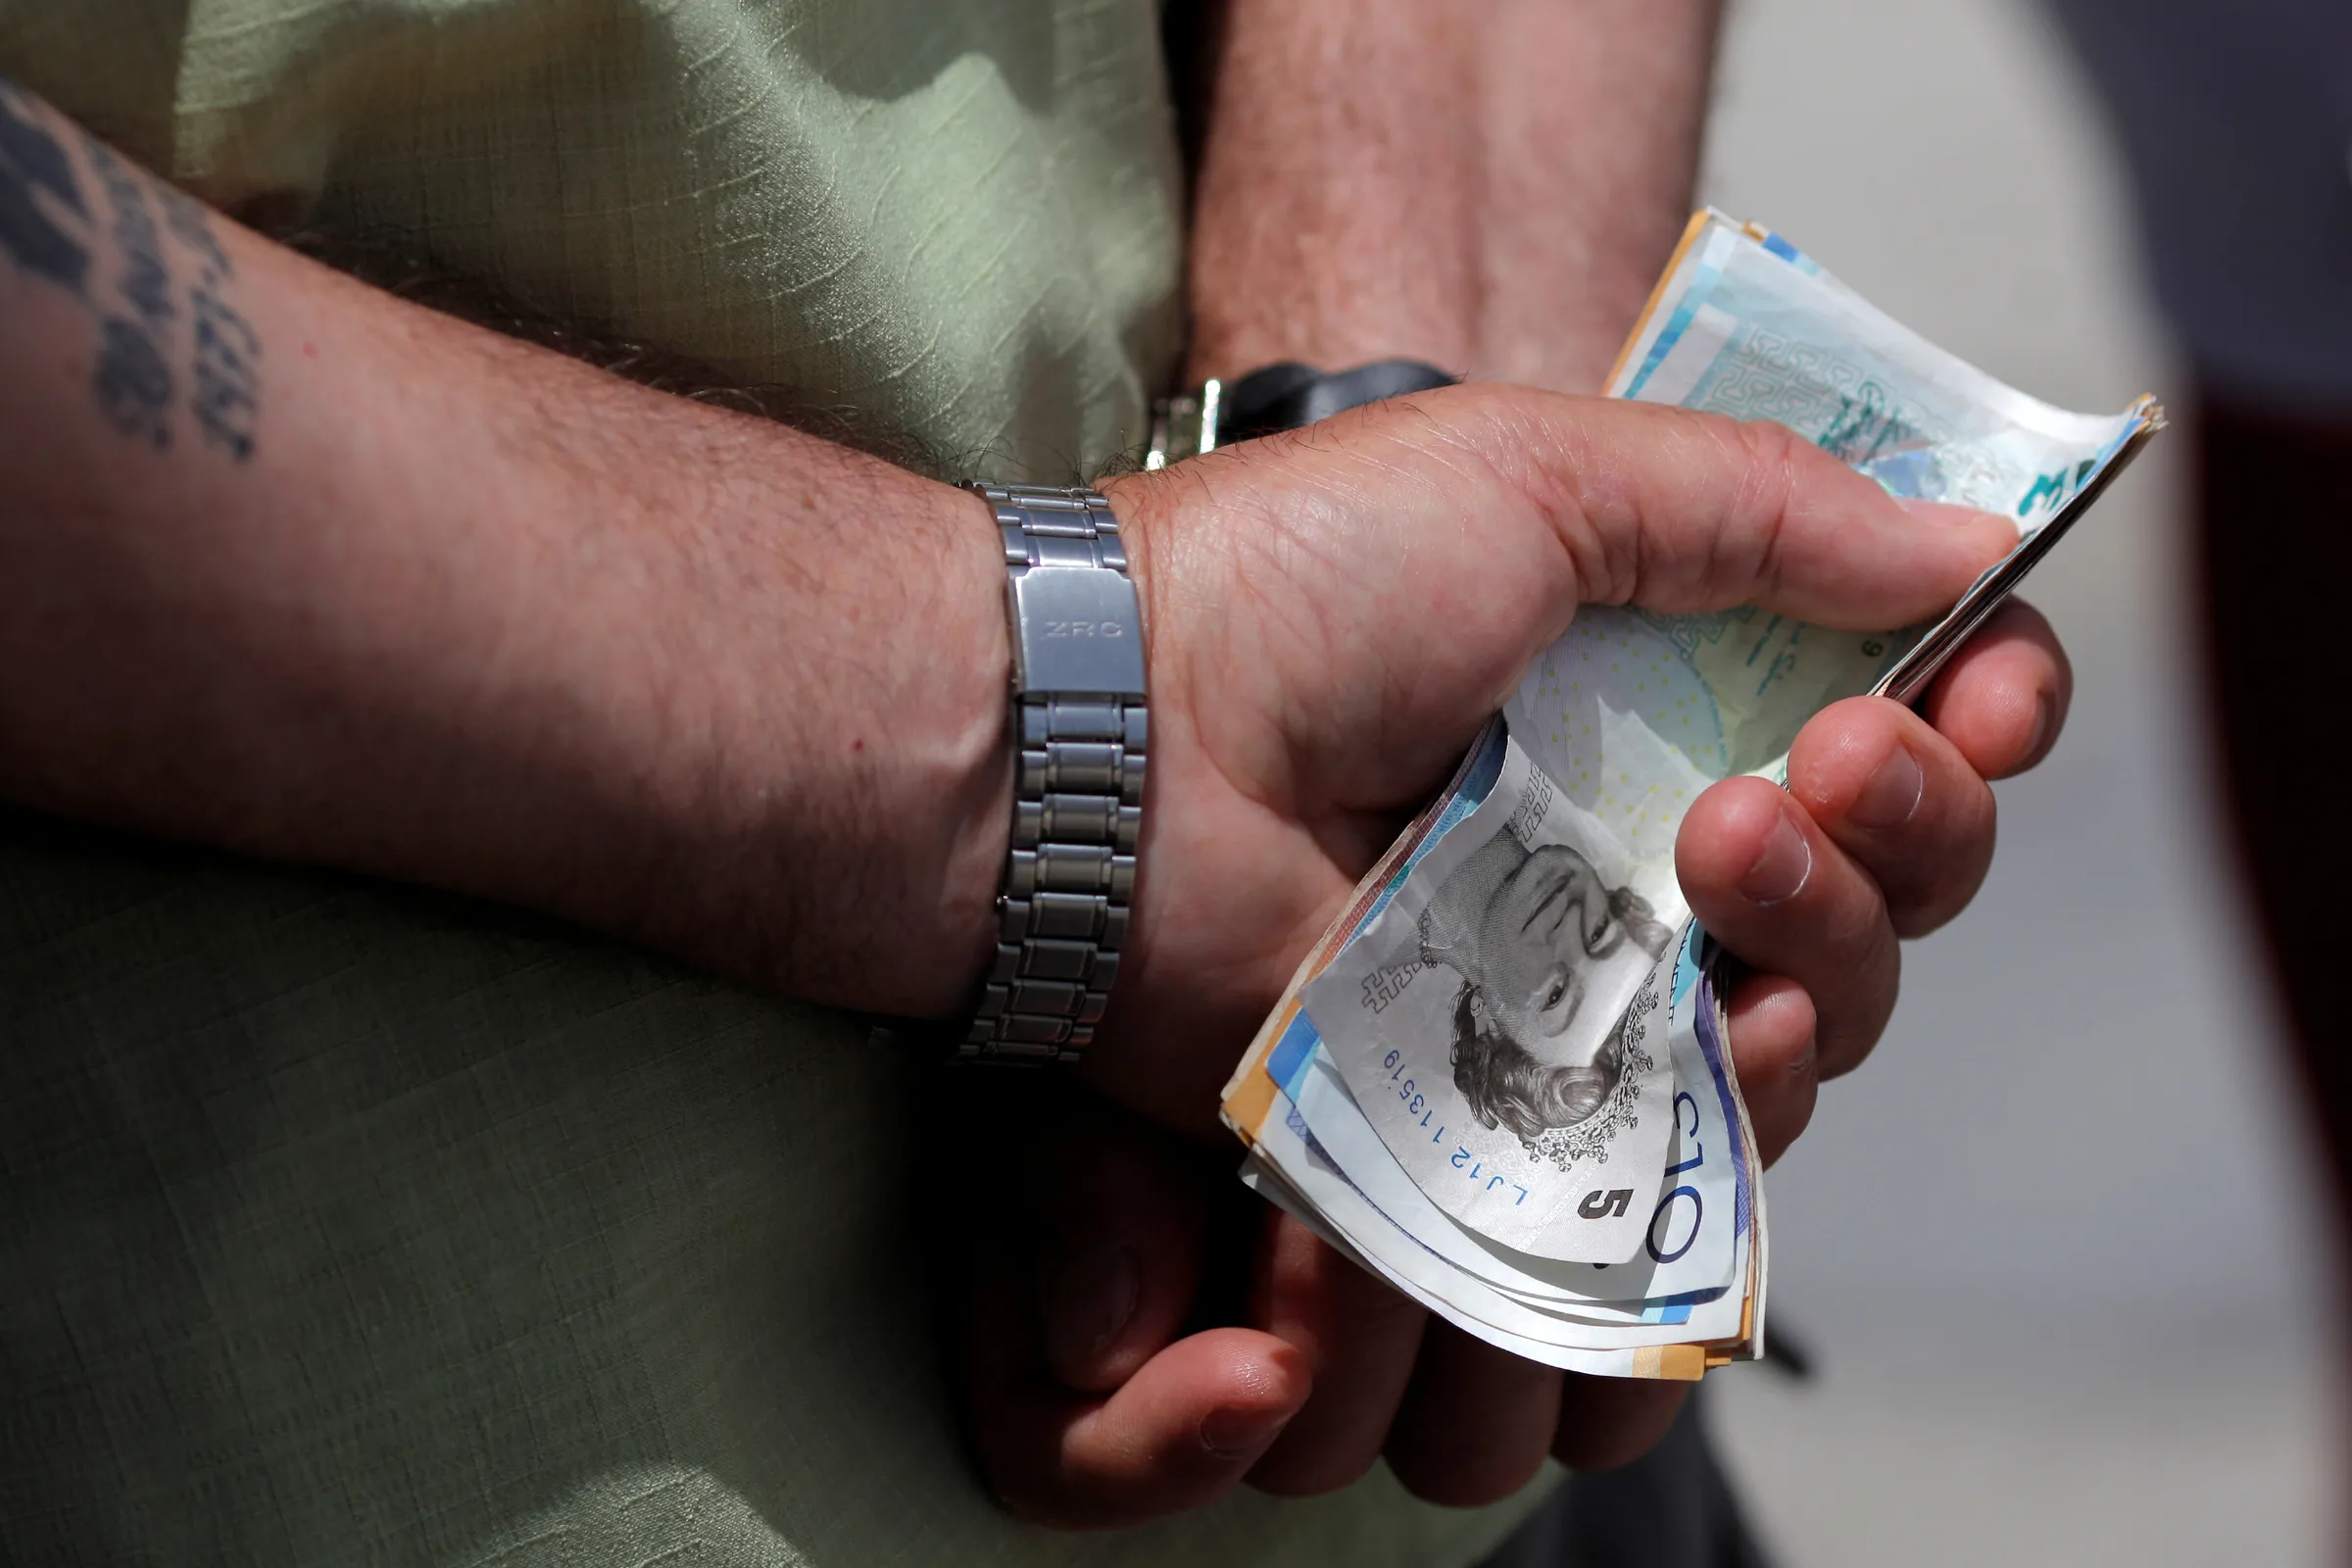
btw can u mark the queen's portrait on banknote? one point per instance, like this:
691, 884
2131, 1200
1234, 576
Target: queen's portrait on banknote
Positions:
1526, 928
1498, 1021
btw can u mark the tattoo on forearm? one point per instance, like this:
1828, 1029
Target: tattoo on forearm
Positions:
160, 346
32, 163
228, 386
134, 380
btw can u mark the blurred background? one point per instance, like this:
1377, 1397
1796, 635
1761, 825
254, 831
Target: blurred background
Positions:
2059, 1249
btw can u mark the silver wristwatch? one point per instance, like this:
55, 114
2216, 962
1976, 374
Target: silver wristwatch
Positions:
1079, 724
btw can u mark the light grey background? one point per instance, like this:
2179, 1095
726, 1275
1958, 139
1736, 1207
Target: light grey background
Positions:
2055, 1245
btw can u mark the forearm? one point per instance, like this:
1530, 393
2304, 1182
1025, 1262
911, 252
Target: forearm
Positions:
293, 568
1491, 186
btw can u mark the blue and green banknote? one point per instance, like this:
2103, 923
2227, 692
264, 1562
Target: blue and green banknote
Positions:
1501, 1079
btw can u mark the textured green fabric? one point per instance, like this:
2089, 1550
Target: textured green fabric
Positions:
960, 220
341, 1222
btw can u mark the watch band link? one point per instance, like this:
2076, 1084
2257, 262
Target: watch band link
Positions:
1078, 793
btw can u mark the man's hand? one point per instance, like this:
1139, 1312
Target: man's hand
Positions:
1331, 616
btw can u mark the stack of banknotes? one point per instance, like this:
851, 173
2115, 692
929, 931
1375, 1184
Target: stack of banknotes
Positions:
1501, 1079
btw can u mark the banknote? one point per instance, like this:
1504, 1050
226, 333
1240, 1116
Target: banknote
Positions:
1696, 1266
1500, 1020
1745, 324
1698, 1262
1499, 1079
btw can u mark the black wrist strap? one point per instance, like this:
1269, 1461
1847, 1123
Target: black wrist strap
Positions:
1288, 395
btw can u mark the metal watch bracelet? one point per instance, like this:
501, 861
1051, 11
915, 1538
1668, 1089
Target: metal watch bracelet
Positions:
1080, 727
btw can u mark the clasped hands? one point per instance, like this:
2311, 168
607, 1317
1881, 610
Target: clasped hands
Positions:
1329, 616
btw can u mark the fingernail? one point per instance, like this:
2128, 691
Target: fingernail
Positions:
1781, 871
1892, 793
1234, 1431
1090, 1296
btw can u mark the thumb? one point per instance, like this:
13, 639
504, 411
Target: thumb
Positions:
1665, 507
1678, 510
1123, 1227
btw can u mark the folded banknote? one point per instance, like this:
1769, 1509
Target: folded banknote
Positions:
1500, 1079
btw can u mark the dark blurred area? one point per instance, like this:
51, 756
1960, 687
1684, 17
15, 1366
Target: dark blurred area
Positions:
2235, 122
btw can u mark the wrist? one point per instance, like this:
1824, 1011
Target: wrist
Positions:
958, 776
837, 817
977, 770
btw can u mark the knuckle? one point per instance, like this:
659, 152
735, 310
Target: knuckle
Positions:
1769, 459
1772, 450
1777, 458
